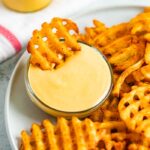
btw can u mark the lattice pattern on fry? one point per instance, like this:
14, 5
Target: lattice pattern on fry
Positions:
80, 135
134, 109
47, 51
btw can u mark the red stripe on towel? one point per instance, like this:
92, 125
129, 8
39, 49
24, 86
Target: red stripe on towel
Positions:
11, 38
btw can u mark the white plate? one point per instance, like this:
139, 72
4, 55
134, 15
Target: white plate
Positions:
20, 112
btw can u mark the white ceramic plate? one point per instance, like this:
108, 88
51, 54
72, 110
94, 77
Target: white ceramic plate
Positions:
20, 112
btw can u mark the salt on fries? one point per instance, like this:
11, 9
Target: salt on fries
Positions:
47, 51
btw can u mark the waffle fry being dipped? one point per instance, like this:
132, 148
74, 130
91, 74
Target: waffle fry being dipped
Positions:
47, 51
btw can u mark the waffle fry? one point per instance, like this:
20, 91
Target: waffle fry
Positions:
119, 43
140, 23
107, 112
124, 75
134, 109
47, 51
142, 74
147, 53
92, 32
110, 34
76, 134
124, 58
120, 47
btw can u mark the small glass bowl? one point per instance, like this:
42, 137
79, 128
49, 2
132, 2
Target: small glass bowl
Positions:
68, 114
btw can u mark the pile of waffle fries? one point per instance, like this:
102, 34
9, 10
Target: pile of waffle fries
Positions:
123, 121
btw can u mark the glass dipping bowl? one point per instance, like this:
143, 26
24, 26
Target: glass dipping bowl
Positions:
68, 114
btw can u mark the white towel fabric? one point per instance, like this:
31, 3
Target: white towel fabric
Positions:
16, 28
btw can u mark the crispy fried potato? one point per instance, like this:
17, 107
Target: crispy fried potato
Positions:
134, 109
92, 32
147, 9
77, 134
140, 24
107, 112
117, 44
111, 34
147, 53
124, 75
71, 135
142, 74
45, 46
124, 58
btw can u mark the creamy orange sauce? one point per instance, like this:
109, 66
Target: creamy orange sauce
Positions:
79, 84
26, 5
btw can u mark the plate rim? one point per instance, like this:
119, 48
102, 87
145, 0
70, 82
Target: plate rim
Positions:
8, 90
7, 102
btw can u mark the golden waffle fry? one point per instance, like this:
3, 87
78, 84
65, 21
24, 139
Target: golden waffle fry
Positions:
107, 112
147, 9
139, 24
124, 75
120, 47
134, 109
124, 58
147, 53
142, 74
71, 135
45, 46
92, 32
117, 44
98, 28
111, 34
80, 135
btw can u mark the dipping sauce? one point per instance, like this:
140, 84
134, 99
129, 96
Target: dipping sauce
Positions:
82, 82
26, 5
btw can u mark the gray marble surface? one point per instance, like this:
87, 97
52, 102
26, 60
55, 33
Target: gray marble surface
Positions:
6, 69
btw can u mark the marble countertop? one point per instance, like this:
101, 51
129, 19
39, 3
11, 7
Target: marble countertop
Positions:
6, 69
